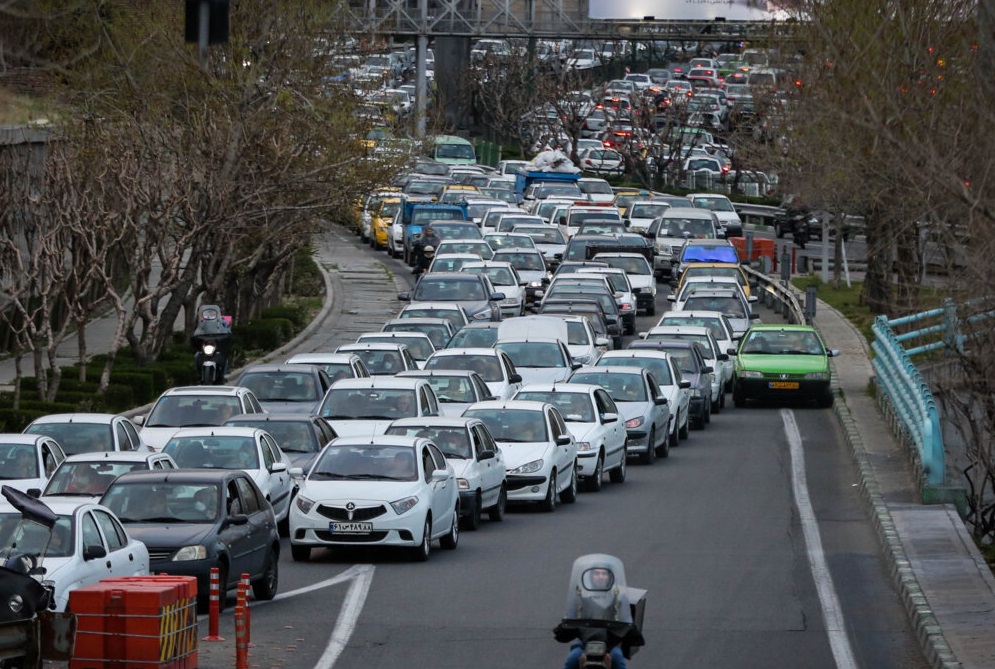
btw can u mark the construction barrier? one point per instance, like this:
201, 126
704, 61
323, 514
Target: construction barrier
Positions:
140, 622
759, 248
214, 610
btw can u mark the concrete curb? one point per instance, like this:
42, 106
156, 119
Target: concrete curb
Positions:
934, 645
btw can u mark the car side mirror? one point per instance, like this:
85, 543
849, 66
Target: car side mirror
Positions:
575, 365
497, 297
94, 552
34, 492
564, 440
660, 400
238, 519
833, 352
601, 341
707, 370
609, 418
278, 467
296, 472
731, 351
487, 455
515, 378
138, 420
439, 476
685, 384
723, 357
404, 297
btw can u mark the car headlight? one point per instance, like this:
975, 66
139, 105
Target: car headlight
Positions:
696, 392
817, 375
751, 374
15, 603
634, 422
197, 552
583, 359
528, 467
665, 250
402, 506
482, 315
463, 484
583, 445
303, 503
535, 284
510, 301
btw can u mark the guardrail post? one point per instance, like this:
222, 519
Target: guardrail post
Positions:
214, 612
811, 300
951, 328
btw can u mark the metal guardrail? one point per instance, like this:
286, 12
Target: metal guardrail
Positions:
778, 295
910, 397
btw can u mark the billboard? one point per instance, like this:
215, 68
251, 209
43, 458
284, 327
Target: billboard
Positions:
689, 10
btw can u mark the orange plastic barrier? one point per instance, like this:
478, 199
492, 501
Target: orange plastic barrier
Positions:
761, 248
141, 622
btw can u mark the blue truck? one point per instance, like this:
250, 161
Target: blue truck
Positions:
415, 215
525, 179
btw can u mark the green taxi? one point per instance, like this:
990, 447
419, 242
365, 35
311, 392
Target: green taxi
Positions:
782, 362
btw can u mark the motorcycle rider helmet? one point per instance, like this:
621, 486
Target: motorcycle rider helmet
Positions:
429, 251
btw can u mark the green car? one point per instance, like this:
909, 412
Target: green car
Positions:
782, 362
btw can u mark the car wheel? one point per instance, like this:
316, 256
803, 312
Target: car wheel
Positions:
617, 475
451, 540
722, 400
283, 526
595, 480
472, 521
265, 588
569, 496
673, 438
496, 512
649, 456
549, 503
421, 552
300, 553
685, 429
715, 408
663, 450
738, 398
826, 401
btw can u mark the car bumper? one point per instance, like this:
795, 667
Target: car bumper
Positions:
388, 530
637, 441
531, 488
587, 462
645, 301
762, 388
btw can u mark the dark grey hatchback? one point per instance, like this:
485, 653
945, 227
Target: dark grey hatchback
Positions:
192, 520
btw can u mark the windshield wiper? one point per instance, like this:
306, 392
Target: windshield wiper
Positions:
161, 519
375, 417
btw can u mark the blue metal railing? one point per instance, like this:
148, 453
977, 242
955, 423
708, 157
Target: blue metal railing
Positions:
900, 379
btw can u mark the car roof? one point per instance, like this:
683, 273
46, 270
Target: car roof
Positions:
216, 431
395, 382
280, 368
270, 417
448, 352
81, 417
526, 405
179, 476
19, 438
221, 391
611, 369
115, 456
379, 440
433, 421
323, 358
560, 387
372, 346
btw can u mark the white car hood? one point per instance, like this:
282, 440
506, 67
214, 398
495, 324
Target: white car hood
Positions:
360, 491
359, 428
543, 374
156, 437
498, 389
578, 351
517, 454
642, 280
727, 216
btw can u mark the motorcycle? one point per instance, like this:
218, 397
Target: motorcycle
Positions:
801, 231
604, 617
29, 632
211, 340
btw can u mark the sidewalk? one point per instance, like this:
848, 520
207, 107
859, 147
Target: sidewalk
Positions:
947, 588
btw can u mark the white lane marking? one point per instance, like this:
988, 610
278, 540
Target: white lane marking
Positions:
346, 623
832, 613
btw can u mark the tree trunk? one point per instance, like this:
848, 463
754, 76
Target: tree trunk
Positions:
876, 294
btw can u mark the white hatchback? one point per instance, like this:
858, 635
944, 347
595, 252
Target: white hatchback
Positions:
27, 461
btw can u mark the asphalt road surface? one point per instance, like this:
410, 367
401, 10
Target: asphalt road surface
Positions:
751, 538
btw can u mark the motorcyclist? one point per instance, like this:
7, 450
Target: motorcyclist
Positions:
429, 238
424, 259
214, 328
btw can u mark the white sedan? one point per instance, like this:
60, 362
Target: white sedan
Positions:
385, 491
539, 451
252, 450
475, 458
593, 420
27, 461
87, 544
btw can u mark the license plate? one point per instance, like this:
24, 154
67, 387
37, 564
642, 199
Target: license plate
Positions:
783, 385
350, 528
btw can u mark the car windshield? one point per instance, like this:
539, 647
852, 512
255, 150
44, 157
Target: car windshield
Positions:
451, 315
713, 324
694, 228
473, 338
733, 307
684, 357
528, 262
77, 437
703, 339
658, 367
499, 276
451, 263
578, 217
462, 151
420, 347
596, 187
88, 478
574, 293
438, 333
24, 536
424, 188
575, 407
281, 386
504, 241
452, 441
225, 452
641, 210
431, 289
478, 248
164, 502
577, 334
365, 463
533, 354
783, 342
293, 436
487, 366
512, 425
382, 363
621, 387
192, 411
549, 236
449, 389
369, 404
454, 231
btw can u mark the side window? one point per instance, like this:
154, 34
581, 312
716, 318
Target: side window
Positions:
268, 457
113, 532
675, 370
50, 458
604, 402
254, 403
123, 440
232, 502
653, 388
251, 503
482, 389
91, 535
555, 426
438, 457
426, 406
479, 442
326, 433
427, 463
133, 437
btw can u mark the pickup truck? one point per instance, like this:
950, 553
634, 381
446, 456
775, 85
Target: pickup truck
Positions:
415, 215
525, 179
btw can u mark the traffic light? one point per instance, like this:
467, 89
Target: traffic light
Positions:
217, 21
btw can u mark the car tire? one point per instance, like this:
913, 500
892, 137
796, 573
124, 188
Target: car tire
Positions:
593, 483
826, 401
283, 526
421, 552
674, 437
649, 456
663, 451
738, 398
569, 496
300, 553
716, 407
549, 503
471, 522
496, 512
451, 540
617, 475
722, 399
685, 430
265, 588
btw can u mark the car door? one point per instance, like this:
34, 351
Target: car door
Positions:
615, 431
237, 534
661, 412
123, 558
439, 491
564, 455
262, 524
281, 485
489, 462
90, 569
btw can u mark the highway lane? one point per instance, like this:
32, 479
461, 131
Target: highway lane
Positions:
714, 533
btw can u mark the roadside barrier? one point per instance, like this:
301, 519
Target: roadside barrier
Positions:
214, 610
147, 622
246, 585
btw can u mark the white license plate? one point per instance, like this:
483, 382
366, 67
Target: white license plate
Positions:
350, 528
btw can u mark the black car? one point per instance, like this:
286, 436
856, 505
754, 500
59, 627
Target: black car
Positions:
603, 298
194, 519
694, 368
300, 436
